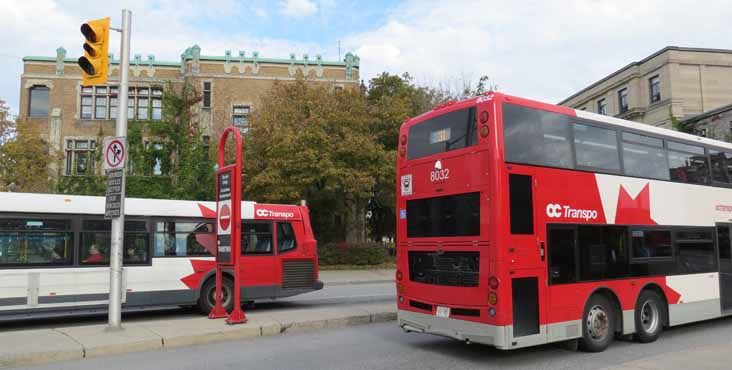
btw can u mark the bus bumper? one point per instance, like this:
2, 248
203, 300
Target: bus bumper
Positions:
467, 331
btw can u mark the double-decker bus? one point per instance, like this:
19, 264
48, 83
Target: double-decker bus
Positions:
54, 254
521, 223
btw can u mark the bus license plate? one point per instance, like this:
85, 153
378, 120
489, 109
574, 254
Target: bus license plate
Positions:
443, 311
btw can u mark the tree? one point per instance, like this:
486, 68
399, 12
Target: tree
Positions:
310, 142
24, 159
7, 126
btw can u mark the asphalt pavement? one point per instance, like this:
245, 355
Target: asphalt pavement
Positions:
384, 346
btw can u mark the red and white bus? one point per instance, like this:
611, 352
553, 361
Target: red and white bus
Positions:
521, 223
54, 254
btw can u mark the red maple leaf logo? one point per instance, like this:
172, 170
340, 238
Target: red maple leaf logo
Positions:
634, 211
208, 241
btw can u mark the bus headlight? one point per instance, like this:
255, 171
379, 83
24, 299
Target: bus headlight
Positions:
492, 312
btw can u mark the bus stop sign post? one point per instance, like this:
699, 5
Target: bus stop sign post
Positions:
228, 227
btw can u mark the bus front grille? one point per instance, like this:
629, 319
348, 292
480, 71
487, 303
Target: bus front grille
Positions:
445, 268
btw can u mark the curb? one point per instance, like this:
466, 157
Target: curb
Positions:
137, 338
359, 282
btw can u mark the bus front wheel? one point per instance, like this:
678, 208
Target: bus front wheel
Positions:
649, 316
207, 299
598, 323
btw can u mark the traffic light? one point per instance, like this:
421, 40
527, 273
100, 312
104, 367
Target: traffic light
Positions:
95, 62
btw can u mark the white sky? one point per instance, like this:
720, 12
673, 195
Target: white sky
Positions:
545, 50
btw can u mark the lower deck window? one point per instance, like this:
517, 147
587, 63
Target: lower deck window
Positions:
96, 243
580, 253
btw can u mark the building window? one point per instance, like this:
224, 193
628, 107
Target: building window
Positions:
207, 95
80, 156
157, 104
240, 117
102, 102
602, 106
38, 102
654, 86
623, 100
157, 153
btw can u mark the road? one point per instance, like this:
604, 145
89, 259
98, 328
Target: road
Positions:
331, 295
385, 346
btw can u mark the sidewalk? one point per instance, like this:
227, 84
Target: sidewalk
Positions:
19, 347
342, 277
71, 342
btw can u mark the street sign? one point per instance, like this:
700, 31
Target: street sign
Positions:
224, 218
228, 228
115, 150
113, 204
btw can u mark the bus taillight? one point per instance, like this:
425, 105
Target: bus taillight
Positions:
399, 275
402, 151
403, 139
492, 298
493, 282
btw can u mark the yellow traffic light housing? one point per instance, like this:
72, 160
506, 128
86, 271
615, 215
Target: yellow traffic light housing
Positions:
95, 62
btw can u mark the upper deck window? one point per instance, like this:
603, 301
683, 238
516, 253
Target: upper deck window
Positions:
533, 136
450, 131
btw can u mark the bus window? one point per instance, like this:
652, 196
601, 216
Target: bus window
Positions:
181, 239
533, 136
285, 237
27, 242
96, 243
596, 147
562, 265
695, 250
256, 237
451, 215
721, 166
644, 156
450, 131
687, 163
603, 252
651, 244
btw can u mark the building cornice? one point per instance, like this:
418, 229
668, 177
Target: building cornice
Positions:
643, 61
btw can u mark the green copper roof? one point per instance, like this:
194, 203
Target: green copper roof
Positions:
189, 54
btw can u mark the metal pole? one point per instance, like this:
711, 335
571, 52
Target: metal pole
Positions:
115, 254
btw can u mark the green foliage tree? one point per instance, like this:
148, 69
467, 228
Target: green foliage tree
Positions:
310, 142
24, 159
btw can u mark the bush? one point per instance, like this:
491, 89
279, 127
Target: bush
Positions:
352, 254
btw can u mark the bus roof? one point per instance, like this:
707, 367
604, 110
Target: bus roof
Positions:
93, 205
500, 97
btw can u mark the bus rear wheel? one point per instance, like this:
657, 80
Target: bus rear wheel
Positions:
207, 299
598, 323
649, 316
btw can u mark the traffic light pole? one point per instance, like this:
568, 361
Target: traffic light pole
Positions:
115, 254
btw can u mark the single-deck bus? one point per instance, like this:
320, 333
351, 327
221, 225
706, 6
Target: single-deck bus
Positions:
54, 254
521, 223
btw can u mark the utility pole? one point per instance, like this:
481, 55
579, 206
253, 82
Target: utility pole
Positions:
118, 223
339, 50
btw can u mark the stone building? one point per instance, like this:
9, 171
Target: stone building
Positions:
715, 124
674, 82
73, 117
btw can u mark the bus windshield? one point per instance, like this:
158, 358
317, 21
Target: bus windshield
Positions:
450, 131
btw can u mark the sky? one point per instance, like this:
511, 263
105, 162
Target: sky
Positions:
540, 49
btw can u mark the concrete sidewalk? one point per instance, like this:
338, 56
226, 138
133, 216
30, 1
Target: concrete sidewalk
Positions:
70, 342
342, 277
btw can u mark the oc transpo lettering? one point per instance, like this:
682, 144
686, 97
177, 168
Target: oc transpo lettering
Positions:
270, 213
554, 210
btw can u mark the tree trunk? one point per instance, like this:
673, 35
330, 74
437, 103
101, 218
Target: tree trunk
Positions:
355, 222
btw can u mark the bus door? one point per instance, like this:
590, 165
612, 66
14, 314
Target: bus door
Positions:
259, 263
526, 258
296, 262
725, 265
